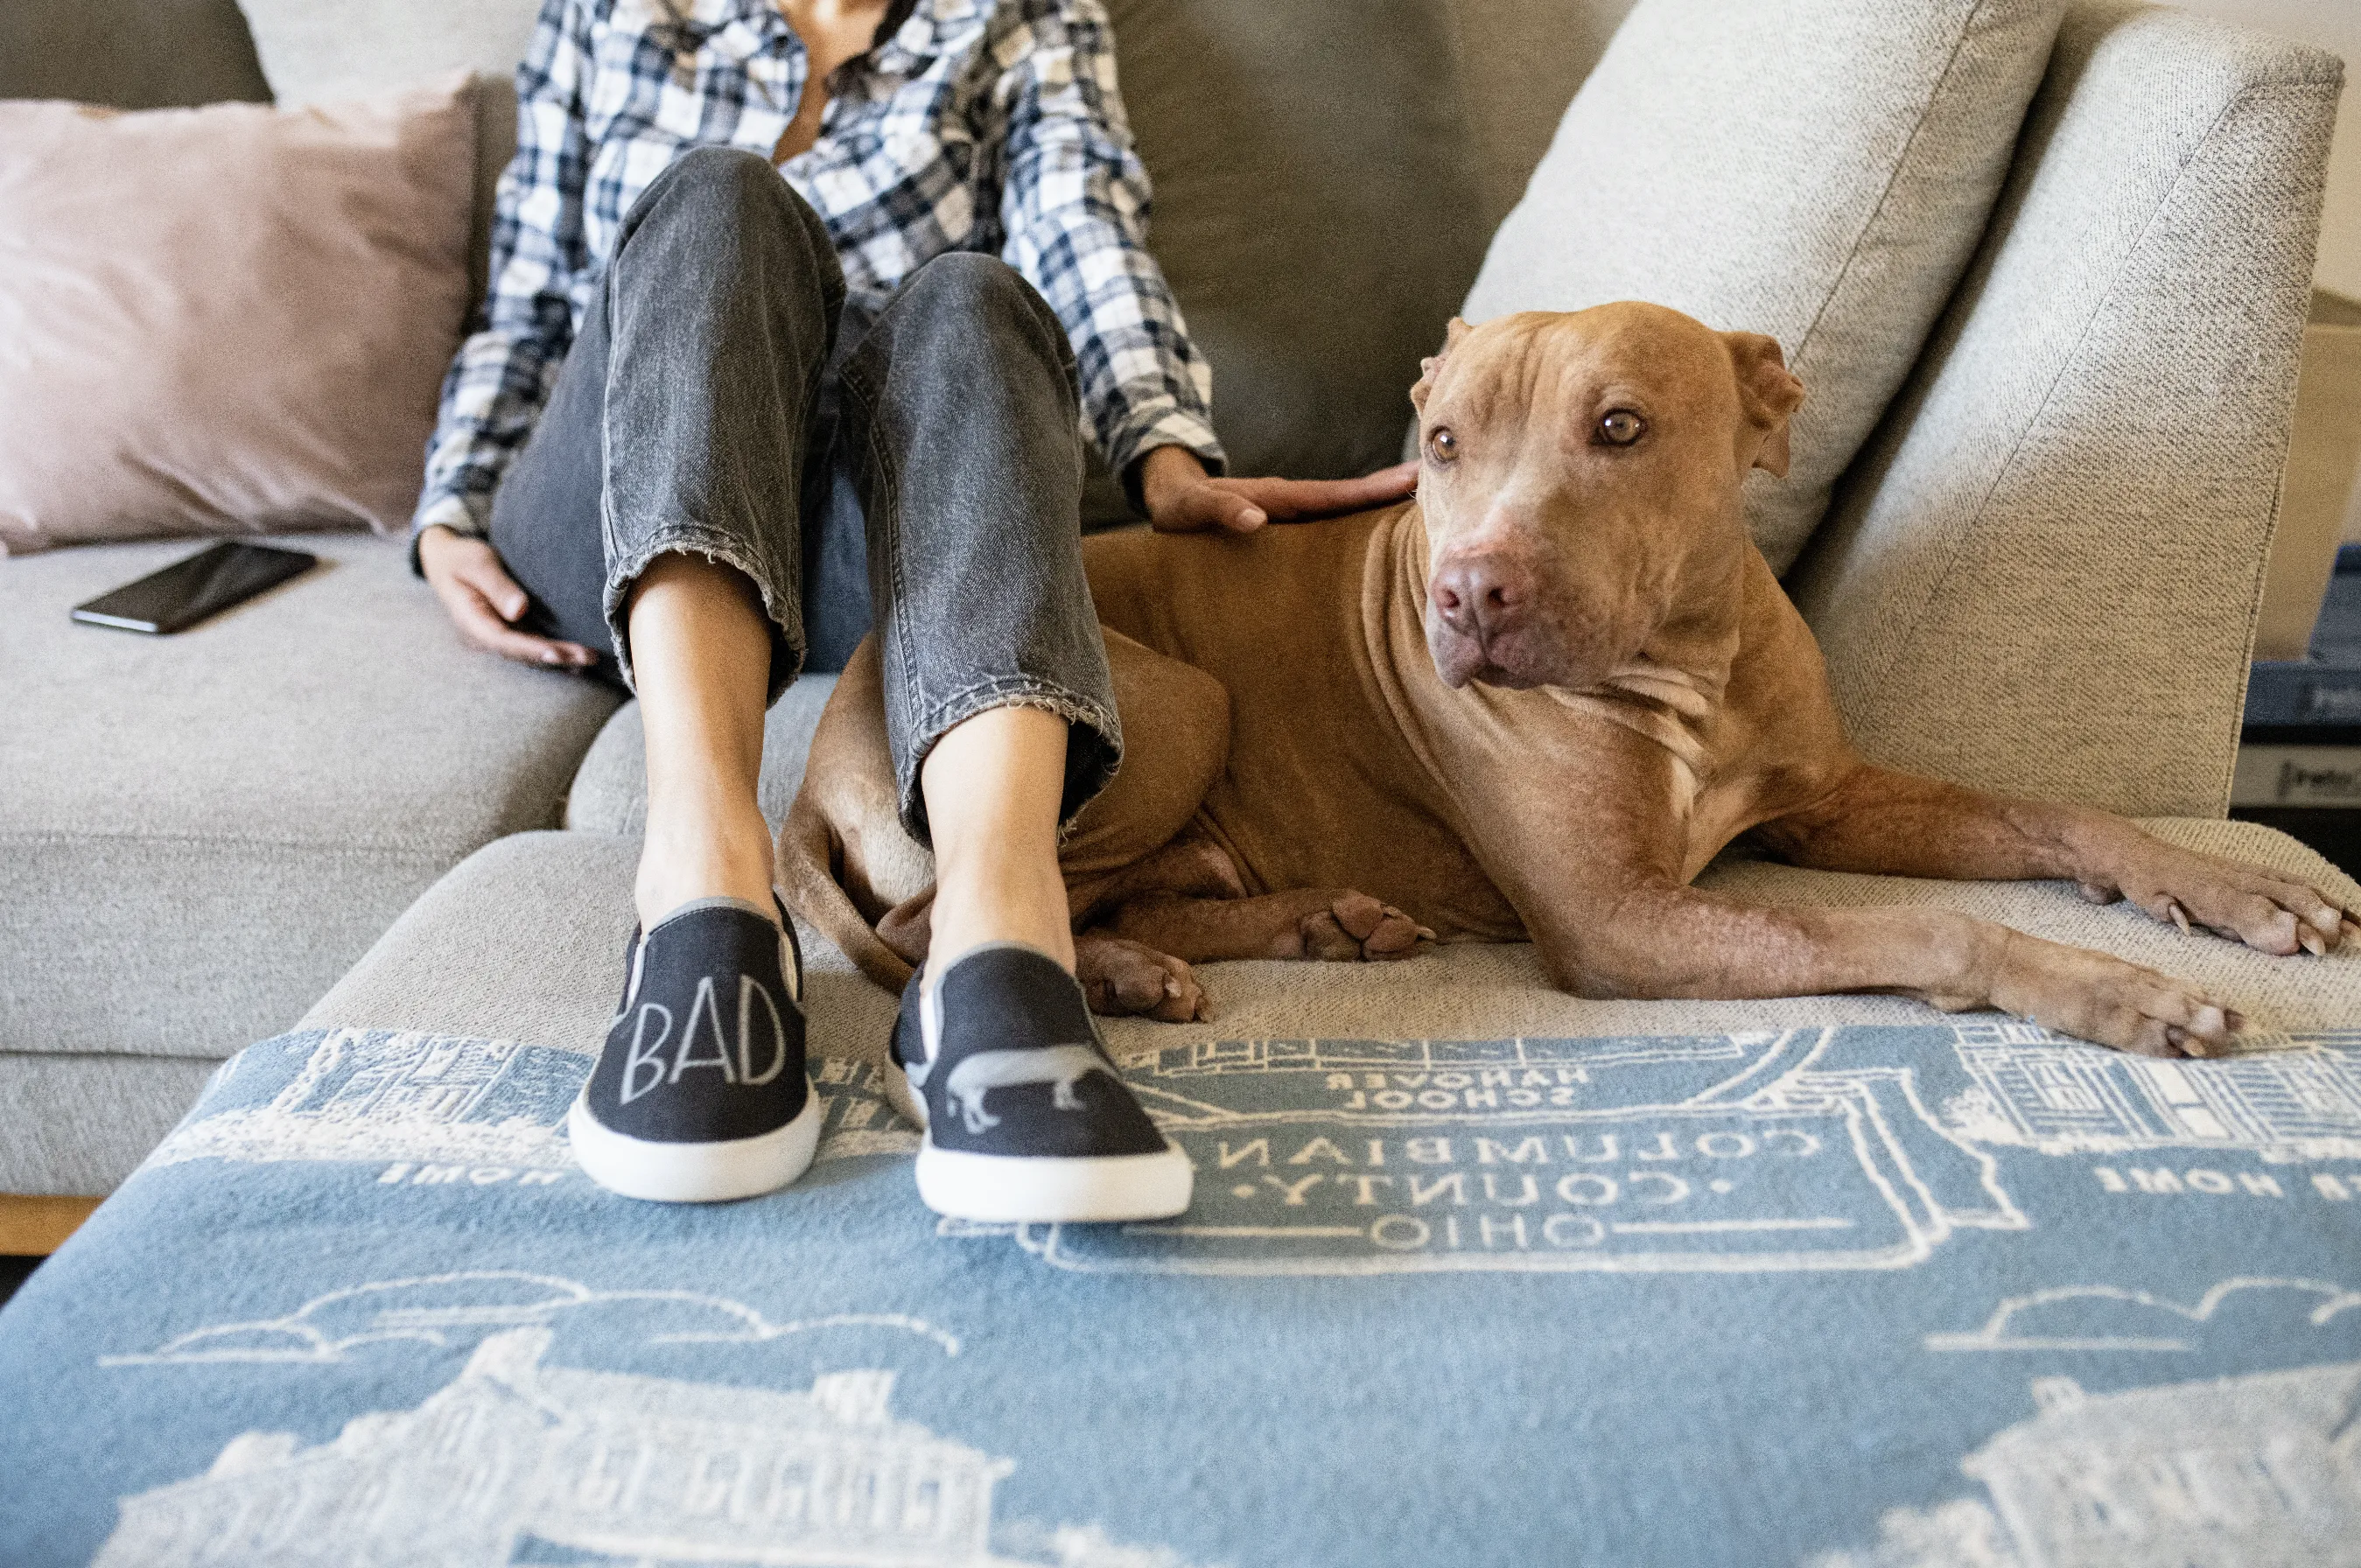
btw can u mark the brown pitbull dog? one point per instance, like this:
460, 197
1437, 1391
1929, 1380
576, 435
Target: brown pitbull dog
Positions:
1532, 703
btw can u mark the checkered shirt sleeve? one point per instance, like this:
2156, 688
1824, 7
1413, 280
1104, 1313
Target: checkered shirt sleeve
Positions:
1074, 202
503, 373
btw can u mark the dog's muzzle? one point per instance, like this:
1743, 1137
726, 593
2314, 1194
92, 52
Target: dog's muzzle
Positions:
1481, 620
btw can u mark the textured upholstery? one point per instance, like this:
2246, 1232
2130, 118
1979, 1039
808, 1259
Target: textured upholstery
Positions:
610, 791
311, 52
128, 54
561, 904
79, 1123
315, 53
1520, 63
199, 833
1830, 201
1319, 228
2043, 576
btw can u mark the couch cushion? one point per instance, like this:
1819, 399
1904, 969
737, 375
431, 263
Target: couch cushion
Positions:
525, 941
199, 833
1520, 63
2042, 575
316, 53
79, 1123
128, 54
1320, 227
610, 791
1815, 170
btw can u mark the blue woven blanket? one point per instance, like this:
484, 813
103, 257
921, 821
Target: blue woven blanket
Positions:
1868, 1296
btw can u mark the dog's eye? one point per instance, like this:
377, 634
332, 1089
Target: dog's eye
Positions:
1443, 444
1621, 427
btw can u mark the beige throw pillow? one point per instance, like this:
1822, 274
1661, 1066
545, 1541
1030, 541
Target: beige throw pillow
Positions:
1817, 169
226, 320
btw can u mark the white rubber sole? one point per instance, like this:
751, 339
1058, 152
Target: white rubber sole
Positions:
1030, 1190
695, 1173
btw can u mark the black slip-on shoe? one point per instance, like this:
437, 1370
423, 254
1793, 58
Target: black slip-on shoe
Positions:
1026, 1119
701, 1093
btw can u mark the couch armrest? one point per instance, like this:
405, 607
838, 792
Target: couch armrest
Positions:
2042, 575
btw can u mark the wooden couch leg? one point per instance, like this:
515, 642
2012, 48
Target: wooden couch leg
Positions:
37, 1227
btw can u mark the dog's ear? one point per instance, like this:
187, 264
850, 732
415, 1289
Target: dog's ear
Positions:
1768, 394
1427, 367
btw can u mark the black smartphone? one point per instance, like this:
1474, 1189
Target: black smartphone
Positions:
186, 592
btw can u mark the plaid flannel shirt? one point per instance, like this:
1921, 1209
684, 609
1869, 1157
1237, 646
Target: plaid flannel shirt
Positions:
989, 126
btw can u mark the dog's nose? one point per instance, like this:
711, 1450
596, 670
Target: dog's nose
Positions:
1480, 595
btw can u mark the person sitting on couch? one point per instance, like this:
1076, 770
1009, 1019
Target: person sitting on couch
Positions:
787, 313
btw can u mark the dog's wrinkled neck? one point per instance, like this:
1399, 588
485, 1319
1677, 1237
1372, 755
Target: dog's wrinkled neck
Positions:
1685, 662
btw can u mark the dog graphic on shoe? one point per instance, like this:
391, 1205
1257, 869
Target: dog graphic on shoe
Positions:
1060, 1067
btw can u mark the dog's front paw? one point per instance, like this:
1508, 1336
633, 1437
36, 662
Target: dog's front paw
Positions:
1124, 979
2270, 913
1357, 928
2104, 999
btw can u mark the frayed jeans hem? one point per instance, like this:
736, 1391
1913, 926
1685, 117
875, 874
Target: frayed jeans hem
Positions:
1093, 746
781, 608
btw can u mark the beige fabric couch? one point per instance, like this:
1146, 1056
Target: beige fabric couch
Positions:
2040, 576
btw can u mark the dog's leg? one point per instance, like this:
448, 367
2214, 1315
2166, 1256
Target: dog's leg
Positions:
1876, 820
849, 866
908, 928
1192, 866
1129, 964
1331, 925
1660, 939
1134, 840
844, 861
1176, 741
1121, 977
1124, 978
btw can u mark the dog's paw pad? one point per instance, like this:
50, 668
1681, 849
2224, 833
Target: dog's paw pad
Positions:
1356, 927
1358, 914
1130, 979
1397, 937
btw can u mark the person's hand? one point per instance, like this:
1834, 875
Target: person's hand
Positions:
1181, 499
483, 601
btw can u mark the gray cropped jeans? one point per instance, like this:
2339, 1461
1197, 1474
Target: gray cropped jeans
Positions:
720, 398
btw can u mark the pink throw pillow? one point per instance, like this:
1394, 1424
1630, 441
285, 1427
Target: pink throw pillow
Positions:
226, 320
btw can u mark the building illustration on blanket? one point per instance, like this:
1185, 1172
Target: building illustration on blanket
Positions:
370, 1094
2067, 1100
473, 1105
1810, 1148
518, 1460
2227, 1473
1817, 1149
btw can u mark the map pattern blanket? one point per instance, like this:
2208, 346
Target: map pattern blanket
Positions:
1835, 1297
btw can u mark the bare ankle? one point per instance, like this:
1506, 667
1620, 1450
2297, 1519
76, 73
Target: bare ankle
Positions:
1001, 902
684, 861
